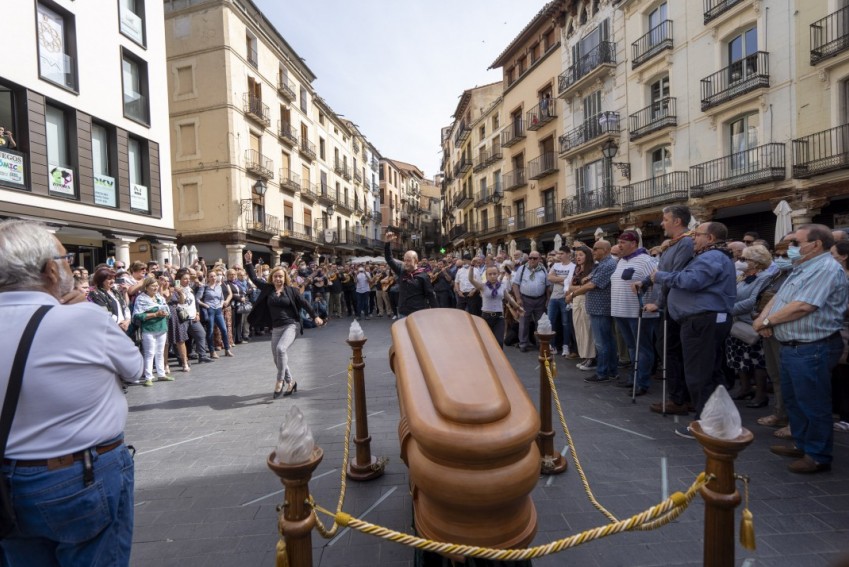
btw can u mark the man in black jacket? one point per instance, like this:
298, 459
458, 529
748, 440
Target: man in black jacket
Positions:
415, 289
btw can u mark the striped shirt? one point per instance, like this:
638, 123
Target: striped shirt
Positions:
623, 300
820, 282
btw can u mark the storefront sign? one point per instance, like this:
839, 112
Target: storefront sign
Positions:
104, 191
511, 221
61, 180
12, 168
139, 198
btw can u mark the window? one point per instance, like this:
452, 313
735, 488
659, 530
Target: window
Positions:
535, 53
321, 118
549, 206
496, 182
743, 137
659, 92
185, 82
304, 100
657, 17
591, 178
103, 166
661, 161
581, 51
251, 49
321, 148
59, 152
57, 50
742, 58
548, 41
139, 191
131, 14
520, 213
495, 123
482, 132
135, 88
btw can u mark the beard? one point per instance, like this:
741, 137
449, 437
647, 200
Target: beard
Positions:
66, 281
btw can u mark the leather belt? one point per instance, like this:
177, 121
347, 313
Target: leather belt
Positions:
533, 296
493, 313
801, 343
65, 460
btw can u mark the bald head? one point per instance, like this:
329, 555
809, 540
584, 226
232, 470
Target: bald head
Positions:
411, 260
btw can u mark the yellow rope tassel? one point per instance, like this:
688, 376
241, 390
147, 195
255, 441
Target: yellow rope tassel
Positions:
747, 524
282, 557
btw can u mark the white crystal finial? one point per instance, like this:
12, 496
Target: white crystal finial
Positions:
355, 333
544, 325
295, 443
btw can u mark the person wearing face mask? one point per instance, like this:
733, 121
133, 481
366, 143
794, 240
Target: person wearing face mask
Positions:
806, 317
737, 248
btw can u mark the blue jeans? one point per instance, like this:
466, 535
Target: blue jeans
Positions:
363, 305
607, 357
215, 318
559, 315
806, 389
628, 329
63, 522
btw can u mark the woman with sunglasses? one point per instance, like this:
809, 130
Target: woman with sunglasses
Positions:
493, 295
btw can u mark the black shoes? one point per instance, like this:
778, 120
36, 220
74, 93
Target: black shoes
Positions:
291, 390
277, 392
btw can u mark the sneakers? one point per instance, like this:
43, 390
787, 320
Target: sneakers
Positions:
572, 355
565, 351
166, 378
596, 379
588, 364
671, 408
684, 432
148, 382
394, 317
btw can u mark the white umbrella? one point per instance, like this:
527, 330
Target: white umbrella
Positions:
783, 224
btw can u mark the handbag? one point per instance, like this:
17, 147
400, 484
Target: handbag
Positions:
10, 404
745, 333
183, 313
244, 308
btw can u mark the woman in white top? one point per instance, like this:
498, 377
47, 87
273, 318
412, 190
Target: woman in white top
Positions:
493, 295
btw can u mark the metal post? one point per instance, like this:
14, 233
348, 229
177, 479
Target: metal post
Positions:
720, 495
296, 521
552, 462
362, 466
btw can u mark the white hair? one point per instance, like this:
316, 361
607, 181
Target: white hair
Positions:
25, 248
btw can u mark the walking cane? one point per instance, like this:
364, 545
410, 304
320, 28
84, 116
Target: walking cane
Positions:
637, 349
663, 402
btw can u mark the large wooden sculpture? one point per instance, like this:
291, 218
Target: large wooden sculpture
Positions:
468, 431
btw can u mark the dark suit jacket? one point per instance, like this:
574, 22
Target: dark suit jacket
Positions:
260, 316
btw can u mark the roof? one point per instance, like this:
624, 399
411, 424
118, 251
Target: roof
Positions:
407, 167
547, 11
277, 36
466, 97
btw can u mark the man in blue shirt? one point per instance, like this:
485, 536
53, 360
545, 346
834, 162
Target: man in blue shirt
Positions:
805, 317
700, 299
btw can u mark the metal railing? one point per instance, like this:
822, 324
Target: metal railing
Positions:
290, 180
596, 126
482, 197
821, 152
358, 177
668, 188
259, 220
310, 190
830, 35
457, 231
258, 164
338, 168
299, 231
287, 133
462, 166
514, 179
463, 131
307, 149
286, 88
714, 8
543, 165
514, 132
542, 114
345, 203
538, 217
482, 160
587, 201
256, 109
602, 54
741, 77
740, 169
495, 153
656, 40
652, 118
253, 58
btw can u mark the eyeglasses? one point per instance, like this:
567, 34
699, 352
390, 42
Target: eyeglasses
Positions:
69, 257
700, 234
534, 257
781, 256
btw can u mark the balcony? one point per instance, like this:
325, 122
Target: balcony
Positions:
290, 180
298, 231
830, 35
309, 190
462, 166
669, 188
482, 198
346, 172
545, 164
593, 132
537, 217
594, 65
325, 194
587, 201
338, 167
257, 221
655, 41
658, 115
462, 133
356, 146
482, 160
542, 114
286, 133
495, 153
750, 167
286, 88
457, 231
253, 57
307, 149
345, 204
375, 164
714, 8
462, 200
358, 177
377, 217
739, 78
821, 152
255, 109
514, 179
513, 134
258, 164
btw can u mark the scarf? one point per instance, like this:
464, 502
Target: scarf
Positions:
718, 245
635, 253
408, 276
494, 288
145, 303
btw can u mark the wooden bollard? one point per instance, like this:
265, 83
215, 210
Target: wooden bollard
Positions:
720, 494
551, 462
296, 521
362, 466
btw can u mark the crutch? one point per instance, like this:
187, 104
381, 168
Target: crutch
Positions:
637, 349
663, 402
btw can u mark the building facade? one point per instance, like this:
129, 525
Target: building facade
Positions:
89, 126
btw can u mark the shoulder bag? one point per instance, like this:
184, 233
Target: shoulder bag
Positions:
744, 332
13, 392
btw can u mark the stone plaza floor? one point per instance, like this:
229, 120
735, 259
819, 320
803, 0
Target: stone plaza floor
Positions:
205, 497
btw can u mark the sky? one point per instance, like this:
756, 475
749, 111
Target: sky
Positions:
397, 68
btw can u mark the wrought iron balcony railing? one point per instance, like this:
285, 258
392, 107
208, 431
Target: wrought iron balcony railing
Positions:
543, 165
514, 133
338, 168
668, 188
358, 177
830, 35
482, 160
256, 109
741, 169
258, 164
310, 190
739, 78
286, 88
821, 152
482, 198
714, 8
656, 40
495, 153
602, 56
345, 203
307, 149
346, 172
299, 231
290, 180
658, 115
599, 126
458, 231
537, 217
586, 201
542, 114
514, 179
325, 193
287, 134
462, 133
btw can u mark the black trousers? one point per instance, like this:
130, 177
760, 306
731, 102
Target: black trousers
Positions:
676, 387
348, 295
443, 298
703, 346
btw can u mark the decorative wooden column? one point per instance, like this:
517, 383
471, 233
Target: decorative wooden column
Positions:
720, 495
362, 466
551, 462
296, 521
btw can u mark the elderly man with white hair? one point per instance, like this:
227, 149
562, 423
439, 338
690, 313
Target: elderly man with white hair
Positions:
415, 290
65, 462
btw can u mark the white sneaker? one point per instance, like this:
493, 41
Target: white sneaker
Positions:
565, 351
394, 317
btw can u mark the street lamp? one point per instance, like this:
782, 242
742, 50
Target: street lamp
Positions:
496, 197
260, 187
330, 209
609, 150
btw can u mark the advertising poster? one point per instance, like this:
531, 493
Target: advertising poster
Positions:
104, 191
61, 180
12, 168
139, 197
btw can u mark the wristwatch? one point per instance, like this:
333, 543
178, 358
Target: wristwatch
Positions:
766, 322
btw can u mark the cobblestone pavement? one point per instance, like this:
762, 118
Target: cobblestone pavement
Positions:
204, 495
